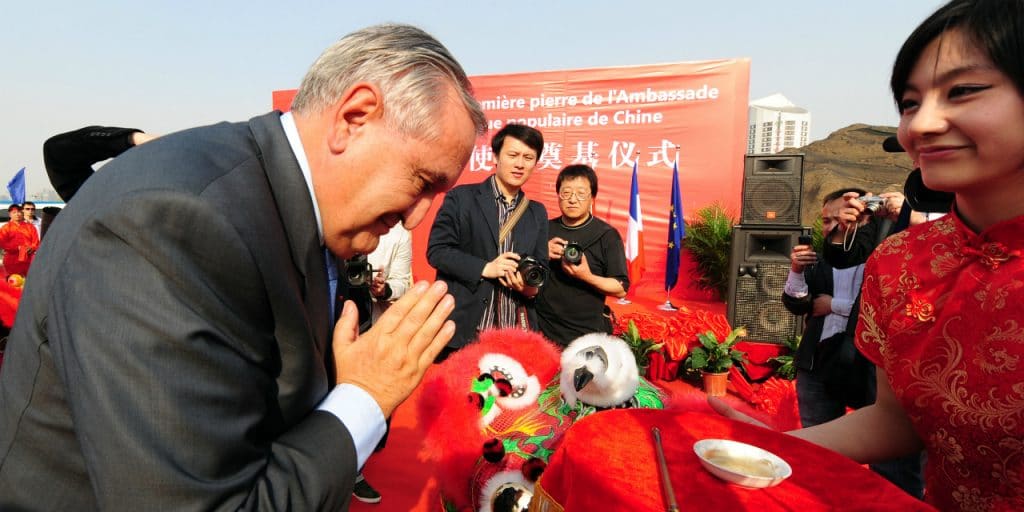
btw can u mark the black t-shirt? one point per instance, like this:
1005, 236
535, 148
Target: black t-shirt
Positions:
568, 308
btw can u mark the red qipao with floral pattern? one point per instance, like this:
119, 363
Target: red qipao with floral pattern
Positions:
943, 313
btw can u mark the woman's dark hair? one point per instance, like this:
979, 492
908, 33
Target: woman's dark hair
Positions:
995, 27
577, 171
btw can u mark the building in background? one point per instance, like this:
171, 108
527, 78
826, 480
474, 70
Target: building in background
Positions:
775, 123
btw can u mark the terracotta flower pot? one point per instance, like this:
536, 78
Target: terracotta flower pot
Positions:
715, 383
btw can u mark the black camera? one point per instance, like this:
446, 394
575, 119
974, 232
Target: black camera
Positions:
534, 273
358, 272
573, 253
872, 204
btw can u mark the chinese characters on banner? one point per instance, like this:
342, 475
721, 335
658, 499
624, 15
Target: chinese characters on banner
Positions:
609, 118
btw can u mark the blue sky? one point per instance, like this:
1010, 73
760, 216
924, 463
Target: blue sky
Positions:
163, 66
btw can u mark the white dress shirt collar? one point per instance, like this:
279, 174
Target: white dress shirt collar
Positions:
292, 133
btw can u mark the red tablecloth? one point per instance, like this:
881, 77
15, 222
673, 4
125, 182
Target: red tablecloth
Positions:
607, 462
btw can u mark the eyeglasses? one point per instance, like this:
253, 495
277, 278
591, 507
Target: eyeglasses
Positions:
582, 195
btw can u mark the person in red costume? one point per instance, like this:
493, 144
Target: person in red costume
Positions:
942, 311
19, 240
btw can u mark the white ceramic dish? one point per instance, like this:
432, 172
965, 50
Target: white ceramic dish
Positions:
741, 463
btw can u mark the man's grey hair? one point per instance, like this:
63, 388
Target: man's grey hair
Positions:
411, 67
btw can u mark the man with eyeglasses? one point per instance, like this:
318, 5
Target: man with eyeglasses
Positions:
28, 209
466, 247
588, 263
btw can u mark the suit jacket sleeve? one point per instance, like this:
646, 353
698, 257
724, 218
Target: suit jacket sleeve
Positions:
445, 247
818, 283
799, 305
179, 381
68, 157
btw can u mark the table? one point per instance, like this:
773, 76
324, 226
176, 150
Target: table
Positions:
607, 462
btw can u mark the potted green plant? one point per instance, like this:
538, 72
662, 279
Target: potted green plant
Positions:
786, 368
714, 357
709, 241
641, 347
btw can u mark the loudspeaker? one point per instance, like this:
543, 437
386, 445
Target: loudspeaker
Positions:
771, 190
758, 268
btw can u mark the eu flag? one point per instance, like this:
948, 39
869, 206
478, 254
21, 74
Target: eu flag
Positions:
16, 187
676, 232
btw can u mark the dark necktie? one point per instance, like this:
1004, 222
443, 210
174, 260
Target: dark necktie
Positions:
332, 283
331, 264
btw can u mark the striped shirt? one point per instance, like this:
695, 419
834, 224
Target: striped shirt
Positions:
504, 301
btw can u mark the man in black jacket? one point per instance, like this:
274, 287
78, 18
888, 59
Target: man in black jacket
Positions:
831, 374
466, 247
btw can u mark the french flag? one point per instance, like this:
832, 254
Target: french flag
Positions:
635, 233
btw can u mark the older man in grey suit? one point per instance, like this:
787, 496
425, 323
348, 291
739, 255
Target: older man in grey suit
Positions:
173, 347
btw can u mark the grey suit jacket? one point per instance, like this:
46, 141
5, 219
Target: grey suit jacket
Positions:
168, 353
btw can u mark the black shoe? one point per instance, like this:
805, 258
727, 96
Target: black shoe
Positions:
365, 493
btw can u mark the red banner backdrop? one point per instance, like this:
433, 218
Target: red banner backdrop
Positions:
610, 118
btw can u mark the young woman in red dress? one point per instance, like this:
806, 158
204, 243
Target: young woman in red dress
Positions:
942, 312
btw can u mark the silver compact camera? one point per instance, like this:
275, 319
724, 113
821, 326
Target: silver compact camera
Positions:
872, 204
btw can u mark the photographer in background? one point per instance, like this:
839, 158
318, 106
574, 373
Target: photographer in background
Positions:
373, 282
831, 373
481, 233
826, 382
861, 222
588, 263
391, 262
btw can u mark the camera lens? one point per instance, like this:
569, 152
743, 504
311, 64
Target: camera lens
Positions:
533, 272
872, 204
358, 272
573, 254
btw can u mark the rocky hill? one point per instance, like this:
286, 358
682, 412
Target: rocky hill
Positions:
850, 157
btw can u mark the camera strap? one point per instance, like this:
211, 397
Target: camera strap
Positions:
506, 228
522, 320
